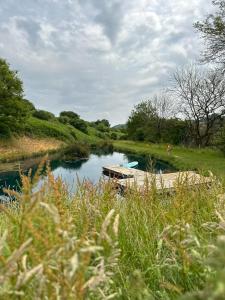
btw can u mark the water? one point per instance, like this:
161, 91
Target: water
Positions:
84, 169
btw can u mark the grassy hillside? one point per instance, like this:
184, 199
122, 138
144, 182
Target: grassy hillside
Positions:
42, 136
41, 128
181, 157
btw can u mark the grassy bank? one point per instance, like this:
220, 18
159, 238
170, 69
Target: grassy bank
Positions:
41, 137
92, 246
26, 147
181, 157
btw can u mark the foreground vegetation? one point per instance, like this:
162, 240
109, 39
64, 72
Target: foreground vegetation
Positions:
92, 245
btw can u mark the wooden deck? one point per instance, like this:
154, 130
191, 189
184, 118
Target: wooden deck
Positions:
121, 172
133, 178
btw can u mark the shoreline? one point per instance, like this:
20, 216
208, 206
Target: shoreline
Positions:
27, 148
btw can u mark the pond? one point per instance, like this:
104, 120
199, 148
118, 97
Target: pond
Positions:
82, 169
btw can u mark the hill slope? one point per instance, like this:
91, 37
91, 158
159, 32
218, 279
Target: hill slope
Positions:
42, 136
54, 129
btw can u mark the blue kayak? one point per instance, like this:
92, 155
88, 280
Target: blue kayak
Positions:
132, 164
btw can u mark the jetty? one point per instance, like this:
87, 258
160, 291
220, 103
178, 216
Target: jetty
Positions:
127, 178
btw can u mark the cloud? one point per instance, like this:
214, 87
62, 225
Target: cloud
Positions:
98, 58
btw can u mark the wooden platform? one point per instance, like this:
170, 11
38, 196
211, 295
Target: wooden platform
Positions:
121, 172
133, 178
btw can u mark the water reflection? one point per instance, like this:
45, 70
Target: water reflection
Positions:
71, 170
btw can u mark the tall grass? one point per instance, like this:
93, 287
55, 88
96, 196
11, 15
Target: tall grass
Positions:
94, 245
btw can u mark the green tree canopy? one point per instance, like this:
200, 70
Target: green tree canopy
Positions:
13, 108
70, 117
69, 114
43, 115
11, 86
142, 121
104, 122
149, 122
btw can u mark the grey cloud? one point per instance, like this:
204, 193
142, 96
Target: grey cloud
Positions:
96, 57
109, 14
32, 29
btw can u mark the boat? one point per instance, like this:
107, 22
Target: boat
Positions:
129, 165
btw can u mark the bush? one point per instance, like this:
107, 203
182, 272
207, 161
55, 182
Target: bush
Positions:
101, 127
5, 132
64, 119
101, 135
70, 117
43, 115
113, 136
124, 137
69, 114
77, 150
79, 124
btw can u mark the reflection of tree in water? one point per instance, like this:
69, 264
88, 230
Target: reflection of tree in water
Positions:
72, 165
149, 163
12, 179
102, 151
142, 160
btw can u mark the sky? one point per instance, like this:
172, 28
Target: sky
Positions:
98, 57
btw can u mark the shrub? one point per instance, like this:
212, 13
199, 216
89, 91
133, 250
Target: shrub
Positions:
70, 117
64, 119
113, 136
79, 124
43, 115
77, 150
124, 137
101, 127
69, 114
219, 139
5, 132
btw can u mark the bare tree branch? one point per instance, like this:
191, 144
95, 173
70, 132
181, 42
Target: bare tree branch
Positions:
202, 101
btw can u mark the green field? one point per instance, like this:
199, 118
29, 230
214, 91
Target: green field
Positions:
181, 157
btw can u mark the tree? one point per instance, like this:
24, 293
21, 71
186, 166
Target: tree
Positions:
79, 124
69, 114
70, 117
174, 131
142, 121
43, 115
103, 122
164, 108
212, 30
148, 119
13, 108
11, 86
202, 101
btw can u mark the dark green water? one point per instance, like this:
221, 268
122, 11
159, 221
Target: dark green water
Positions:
84, 169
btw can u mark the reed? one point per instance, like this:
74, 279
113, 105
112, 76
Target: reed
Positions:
95, 245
